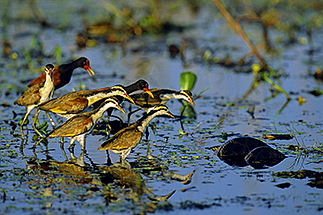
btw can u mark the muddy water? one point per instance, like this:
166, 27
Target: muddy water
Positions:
215, 187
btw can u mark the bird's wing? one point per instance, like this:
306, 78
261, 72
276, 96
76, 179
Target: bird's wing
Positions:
41, 78
74, 126
125, 138
30, 96
65, 105
144, 100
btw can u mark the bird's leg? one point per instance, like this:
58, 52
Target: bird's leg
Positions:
121, 158
71, 149
64, 153
51, 120
34, 123
124, 154
22, 133
127, 153
26, 116
71, 143
82, 141
62, 143
90, 159
23, 122
109, 162
149, 156
22, 146
147, 133
72, 155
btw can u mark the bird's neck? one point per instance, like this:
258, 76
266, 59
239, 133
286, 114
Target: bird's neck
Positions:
167, 96
97, 113
49, 84
144, 121
69, 67
96, 96
48, 89
49, 80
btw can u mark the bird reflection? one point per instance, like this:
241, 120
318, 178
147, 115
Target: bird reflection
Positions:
74, 171
126, 177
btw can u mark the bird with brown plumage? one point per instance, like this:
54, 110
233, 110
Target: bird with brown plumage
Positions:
126, 139
160, 97
82, 124
36, 95
80, 101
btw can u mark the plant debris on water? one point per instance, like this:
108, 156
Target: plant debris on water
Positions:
253, 143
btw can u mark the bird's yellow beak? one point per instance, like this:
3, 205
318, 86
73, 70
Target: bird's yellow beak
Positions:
191, 101
89, 70
171, 115
149, 92
119, 108
129, 98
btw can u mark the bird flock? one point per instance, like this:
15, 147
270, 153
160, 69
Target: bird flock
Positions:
83, 109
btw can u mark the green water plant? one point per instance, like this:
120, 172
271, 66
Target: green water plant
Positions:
187, 80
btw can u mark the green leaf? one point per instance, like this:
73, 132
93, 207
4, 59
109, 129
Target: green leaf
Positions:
277, 87
216, 125
187, 80
181, 132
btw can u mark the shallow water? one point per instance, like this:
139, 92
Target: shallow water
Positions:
215, 187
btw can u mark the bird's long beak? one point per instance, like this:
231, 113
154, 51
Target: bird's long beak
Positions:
129, 98
171, 115
148, 91
89, 70
119, 108
191, 101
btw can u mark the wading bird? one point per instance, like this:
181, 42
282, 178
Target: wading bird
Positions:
80, 101
160, 97
126, 139
63, 73
136, 86
36, 95
82, 124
